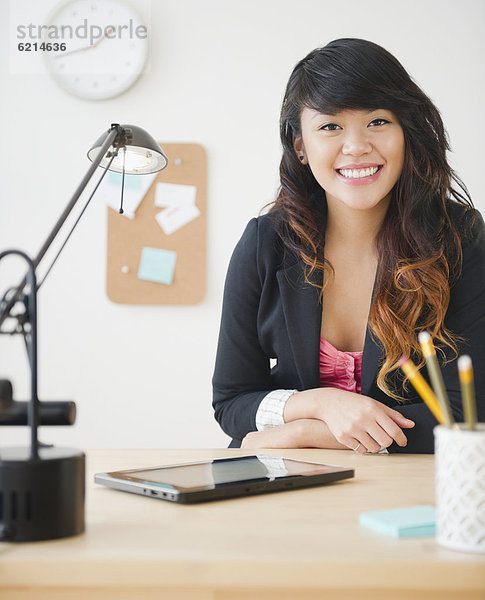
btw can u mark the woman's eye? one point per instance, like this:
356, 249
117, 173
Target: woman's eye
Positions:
379, 122
330, 127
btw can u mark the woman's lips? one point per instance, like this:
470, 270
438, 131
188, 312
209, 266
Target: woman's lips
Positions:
359, 174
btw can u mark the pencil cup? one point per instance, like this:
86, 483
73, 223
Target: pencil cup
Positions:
460, 487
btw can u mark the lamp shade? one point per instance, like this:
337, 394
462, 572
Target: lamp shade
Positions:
134, 147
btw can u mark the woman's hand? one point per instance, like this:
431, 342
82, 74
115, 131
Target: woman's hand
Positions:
362, 423
283, 436
355, 421
302, 433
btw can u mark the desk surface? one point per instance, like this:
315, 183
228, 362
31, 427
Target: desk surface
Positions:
298, 545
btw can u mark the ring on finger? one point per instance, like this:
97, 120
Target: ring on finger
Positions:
356, 448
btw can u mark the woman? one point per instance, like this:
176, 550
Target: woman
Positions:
372, 239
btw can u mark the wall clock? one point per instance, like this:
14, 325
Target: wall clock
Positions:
106, 47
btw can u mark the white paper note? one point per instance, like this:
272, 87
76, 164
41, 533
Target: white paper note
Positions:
136, 186
169, 195
174, 218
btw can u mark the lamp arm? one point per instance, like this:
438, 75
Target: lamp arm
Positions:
76, 222
114, 133
31, 308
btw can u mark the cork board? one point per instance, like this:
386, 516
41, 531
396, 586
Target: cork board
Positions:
187, 165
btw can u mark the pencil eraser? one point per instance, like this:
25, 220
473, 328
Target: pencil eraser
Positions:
410, 521
464, 362
424, 337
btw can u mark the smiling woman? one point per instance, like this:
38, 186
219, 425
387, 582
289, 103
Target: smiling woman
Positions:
371, 240
352, 148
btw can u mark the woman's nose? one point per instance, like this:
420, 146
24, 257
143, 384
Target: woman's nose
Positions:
356, 143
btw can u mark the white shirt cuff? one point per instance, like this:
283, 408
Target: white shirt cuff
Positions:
270, 410
274, 464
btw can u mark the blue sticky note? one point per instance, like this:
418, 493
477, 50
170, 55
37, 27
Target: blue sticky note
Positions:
411, 521
132, 182
157, 265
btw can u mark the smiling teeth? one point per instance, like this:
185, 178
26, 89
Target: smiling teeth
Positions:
358, 173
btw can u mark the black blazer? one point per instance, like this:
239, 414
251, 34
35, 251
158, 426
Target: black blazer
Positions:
270, 312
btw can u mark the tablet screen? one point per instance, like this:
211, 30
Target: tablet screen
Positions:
220, 472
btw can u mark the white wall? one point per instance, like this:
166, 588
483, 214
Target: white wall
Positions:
141, 375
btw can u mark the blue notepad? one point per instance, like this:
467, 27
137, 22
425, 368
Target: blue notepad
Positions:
157, 265
411, 521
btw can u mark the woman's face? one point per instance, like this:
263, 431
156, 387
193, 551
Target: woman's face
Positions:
355, 155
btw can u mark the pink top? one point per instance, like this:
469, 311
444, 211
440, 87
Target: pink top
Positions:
339, 369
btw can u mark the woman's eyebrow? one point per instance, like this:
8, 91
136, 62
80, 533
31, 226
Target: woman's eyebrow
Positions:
320, 115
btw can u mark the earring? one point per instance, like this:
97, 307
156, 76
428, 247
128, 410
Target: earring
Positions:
301, 158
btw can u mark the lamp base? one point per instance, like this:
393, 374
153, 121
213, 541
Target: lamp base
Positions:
43, 498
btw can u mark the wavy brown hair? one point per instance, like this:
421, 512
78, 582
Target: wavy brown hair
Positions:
418, 245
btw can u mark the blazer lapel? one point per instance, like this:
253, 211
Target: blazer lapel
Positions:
303, 313
370, 362
372, 352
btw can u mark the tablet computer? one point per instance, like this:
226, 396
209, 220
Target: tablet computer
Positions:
223, 478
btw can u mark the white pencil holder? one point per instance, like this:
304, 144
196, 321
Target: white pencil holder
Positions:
460, 487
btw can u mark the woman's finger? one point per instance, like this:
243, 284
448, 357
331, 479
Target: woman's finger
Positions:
400, 419
369, 442
380, 436
356, 446
392, 429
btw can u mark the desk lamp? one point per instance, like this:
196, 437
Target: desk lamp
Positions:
42, 487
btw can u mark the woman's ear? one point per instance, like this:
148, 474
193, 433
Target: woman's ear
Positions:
300, 150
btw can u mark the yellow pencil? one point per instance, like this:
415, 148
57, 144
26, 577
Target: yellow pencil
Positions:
420, 385
465, 372
435, 375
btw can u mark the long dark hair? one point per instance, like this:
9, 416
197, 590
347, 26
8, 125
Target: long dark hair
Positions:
418, 245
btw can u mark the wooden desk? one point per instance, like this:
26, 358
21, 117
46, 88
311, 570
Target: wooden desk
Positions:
296, 545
